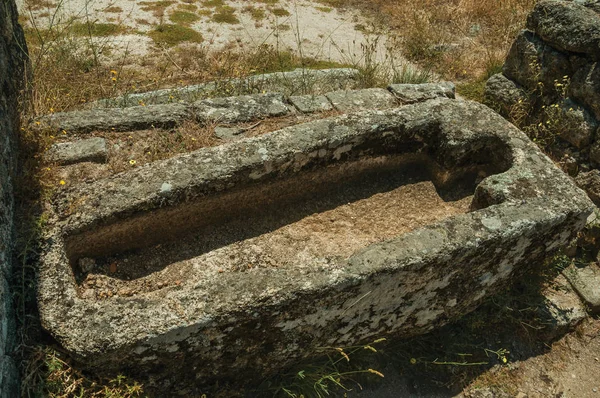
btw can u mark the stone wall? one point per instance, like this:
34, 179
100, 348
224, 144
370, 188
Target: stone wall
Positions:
11, 78
551, 82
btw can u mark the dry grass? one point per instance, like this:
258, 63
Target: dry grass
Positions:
461, 39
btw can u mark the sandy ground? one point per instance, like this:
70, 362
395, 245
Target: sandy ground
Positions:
310, 29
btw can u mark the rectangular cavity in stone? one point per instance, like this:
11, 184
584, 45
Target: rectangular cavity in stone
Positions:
309, 220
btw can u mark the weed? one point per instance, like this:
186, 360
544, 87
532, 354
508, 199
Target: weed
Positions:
97, 29
336, 371
213, 3
257, 14
225, 14
113, 9
187, 7
280, 12
170, 35
183, 18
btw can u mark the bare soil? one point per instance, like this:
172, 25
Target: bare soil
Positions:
311, 221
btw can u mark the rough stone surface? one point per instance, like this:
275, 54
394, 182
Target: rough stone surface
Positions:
531, 61
503, 93
411, 93
586, 281
555, 61
215, 322
12, 65
563, 305
311, 103
228, 133
297, 82
126, 119
590, 183
87, 150
577, 125
368, 98
595, 152
242, 108
568, 26
585, 87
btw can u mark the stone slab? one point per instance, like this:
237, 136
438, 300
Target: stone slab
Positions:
296, 82
368, 98
116, 119
86, 150
586, 282
243, 108
564, 307
228, 133
412, 93
248, 317
311, 103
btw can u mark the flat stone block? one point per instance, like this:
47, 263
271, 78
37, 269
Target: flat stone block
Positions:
563, 305
368, 98
116, 119
242, 108
586, 282
241, 259
87, 150
411, 93
228, 133
311, 103
299, 81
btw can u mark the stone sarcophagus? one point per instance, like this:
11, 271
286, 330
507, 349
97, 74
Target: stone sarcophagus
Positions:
240, 259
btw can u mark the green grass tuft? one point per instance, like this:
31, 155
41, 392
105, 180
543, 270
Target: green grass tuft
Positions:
225, 14
183, 18
171, 35
280, 12
97, 29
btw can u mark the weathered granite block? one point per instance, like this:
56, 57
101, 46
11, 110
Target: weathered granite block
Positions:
585, 87
237, 260
531, 61
576, 125
503, 94
590, 183
116, 119
368, 98
311, 103
411, 93
567, 25
296, 82
242, 108
563, 306
87, 150
586, 281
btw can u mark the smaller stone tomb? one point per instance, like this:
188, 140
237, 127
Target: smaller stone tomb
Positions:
240, 259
